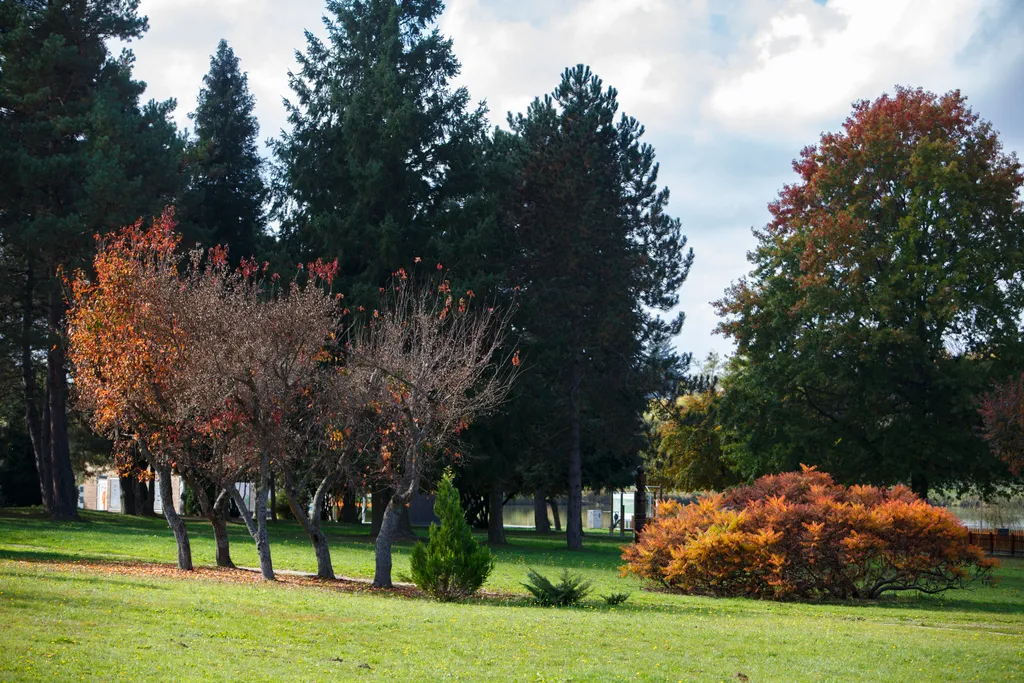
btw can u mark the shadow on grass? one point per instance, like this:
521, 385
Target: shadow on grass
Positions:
29, 535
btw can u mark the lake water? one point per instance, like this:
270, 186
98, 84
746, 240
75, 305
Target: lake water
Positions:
986, 517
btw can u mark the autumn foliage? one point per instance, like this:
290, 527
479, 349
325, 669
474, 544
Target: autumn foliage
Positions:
801, 535
1002, 410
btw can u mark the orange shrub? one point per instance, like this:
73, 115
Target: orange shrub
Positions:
801, 535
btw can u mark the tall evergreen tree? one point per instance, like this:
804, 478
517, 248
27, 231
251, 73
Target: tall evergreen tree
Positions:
379, 142
224, 202
79, 156
598, 257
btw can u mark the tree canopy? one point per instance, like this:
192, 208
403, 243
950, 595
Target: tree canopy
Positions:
224, 201
886, 291
378, 141
80, 154
597, 258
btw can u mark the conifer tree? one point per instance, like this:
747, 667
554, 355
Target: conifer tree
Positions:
452, 564
224, 203
379, 142
79, 155
597, 257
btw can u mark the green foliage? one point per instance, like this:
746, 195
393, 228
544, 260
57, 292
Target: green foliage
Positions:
192, 507
90, 159
568, 592
599, 258
284, 510
381, 148
614, 599
452, 565
685, 450
80, 155
224, 201
885, 296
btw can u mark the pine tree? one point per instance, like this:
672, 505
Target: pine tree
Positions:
380, 142
224, 203
452, 564
79, 156
598, 256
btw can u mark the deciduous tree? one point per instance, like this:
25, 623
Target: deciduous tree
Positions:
685, 451
433, 363
886, 292
129, 349
1002, 410
260, 346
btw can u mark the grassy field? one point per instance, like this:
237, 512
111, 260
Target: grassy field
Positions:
64, 622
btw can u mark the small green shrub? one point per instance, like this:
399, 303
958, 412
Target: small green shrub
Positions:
452, 565
614, 599
192, 507
569, 591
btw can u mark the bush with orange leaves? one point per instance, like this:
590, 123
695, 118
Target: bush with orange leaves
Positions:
801, 535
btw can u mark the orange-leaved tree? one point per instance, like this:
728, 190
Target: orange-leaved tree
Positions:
801, 535
127, 348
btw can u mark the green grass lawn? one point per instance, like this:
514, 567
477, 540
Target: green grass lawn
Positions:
78, 624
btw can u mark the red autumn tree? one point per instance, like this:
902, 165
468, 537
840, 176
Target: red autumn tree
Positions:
885, 294
261, 352
1002, 410
431, 364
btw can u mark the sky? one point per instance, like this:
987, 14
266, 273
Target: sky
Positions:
729, 91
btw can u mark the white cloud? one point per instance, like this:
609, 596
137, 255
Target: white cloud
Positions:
810, 62
729, 90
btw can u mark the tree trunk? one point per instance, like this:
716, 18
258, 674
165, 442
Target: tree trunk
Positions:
65, 493
553, 502
145, 497
311, 523
378, 504
129, 504
919, 485
385, 539
219, 521
273, 497
38, 427
574, 523
349, 510
540, 512
495, 517
262, 540
256, 530
216, 513
176, 523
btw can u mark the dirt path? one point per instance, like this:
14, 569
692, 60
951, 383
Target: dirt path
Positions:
248, 575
